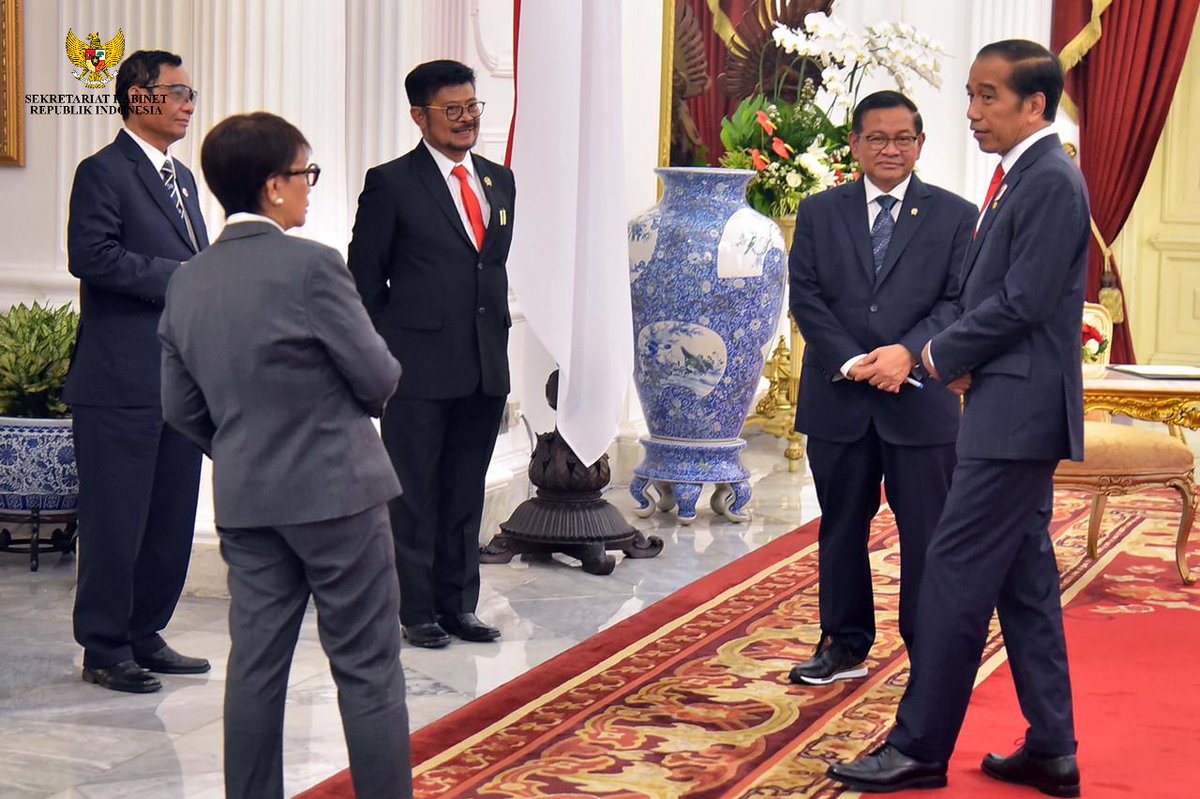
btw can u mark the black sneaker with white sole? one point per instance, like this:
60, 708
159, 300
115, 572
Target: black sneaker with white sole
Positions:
833, 661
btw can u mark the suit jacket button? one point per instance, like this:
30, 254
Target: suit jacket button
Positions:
874, 308
482, 310
479, 265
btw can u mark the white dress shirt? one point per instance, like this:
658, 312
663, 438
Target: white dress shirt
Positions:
873, 209
246, 216
444, 165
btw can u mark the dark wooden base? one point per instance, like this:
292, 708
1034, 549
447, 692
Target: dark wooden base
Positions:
62, 538
578, 524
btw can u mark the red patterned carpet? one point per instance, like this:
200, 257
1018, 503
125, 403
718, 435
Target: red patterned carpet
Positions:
690, 698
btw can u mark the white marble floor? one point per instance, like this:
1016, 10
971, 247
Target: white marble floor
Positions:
64, 739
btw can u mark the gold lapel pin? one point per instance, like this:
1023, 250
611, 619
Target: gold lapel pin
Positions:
487, 181
503, 217
913, 212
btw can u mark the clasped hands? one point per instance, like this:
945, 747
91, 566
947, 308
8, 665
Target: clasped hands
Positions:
886, 368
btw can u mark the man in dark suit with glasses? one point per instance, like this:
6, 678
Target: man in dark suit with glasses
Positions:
428, 255
134, 218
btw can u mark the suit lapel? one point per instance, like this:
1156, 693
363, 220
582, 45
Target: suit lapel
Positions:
489, 191
910, 220
1003, 196
191, 203
439, 190
154, 184
855, 219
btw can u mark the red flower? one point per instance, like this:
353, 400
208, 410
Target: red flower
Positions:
1092, 334
760, 163
782, 148
765, 122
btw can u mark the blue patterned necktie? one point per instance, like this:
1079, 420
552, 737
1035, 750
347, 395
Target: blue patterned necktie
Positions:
881, 231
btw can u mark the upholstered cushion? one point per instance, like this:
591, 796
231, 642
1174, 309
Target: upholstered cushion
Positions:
1120, 449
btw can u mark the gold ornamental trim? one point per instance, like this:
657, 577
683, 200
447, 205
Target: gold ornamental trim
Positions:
1074, 50
1178, 411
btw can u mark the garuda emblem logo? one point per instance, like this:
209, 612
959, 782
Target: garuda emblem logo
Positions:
95, 59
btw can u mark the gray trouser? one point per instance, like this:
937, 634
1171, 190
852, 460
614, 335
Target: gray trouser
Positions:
348, 566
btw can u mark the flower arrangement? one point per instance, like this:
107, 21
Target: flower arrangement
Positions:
1094, 344
799, 147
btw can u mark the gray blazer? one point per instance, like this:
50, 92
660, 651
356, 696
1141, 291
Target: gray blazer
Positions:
271, 365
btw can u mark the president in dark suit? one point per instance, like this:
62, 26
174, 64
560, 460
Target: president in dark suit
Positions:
134, 218
1015, 350
272, 367
428, 254
874, 275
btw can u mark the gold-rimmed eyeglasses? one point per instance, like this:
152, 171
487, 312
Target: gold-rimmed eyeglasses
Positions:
454, 111
312, 173
878, 142
179, 92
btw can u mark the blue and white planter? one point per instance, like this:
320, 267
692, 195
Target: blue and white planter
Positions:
37, 466
707, 276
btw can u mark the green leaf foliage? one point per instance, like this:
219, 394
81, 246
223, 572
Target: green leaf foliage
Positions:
35, 353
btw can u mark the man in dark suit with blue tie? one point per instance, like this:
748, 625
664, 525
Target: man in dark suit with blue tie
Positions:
135, 216
1015, 349
874, 275
428, 256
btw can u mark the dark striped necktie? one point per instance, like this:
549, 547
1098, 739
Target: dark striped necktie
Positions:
168, 177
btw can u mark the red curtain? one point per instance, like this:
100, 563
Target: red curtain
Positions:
1123, 88
709, 108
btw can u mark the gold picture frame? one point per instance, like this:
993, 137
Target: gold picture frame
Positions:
666, 80
12, 84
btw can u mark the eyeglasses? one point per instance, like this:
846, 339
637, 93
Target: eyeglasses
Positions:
312, 173
179, 92
879, 143
454, 112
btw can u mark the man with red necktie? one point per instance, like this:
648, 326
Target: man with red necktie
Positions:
1014, 354
428, 255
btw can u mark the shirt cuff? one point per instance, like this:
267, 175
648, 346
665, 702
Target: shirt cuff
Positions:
848, 365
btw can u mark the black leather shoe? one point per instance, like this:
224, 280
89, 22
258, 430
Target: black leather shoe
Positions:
1053, 776
833, 661
887, 769
428, 635
124, 676
468, 627
168, 661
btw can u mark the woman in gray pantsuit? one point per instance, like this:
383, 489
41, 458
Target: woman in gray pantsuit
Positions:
272, 367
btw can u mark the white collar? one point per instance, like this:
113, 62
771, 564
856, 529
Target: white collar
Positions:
1020, 148
874, 192
157, 157
444, 164
246, 216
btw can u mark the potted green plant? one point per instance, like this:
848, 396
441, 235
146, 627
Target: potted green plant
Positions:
38, 480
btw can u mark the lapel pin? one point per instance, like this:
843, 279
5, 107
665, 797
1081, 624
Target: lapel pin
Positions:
487, 181
913, 212
999, 194
185, 192
503, 217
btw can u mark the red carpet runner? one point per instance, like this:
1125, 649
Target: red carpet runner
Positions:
690, 698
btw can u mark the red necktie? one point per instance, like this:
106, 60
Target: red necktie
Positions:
471, 203
997, 179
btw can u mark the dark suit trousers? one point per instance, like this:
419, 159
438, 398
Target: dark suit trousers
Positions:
991, 549
138, 484
347, 565
441, 450
847, 477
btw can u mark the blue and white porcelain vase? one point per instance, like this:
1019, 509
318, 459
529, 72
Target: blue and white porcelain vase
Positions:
707, 276
37, 467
